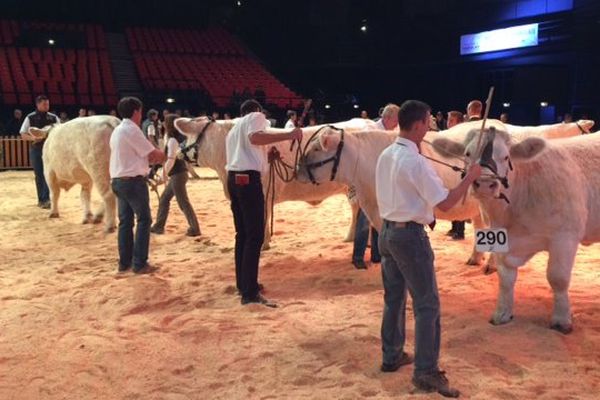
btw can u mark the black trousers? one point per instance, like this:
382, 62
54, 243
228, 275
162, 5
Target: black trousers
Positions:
458, 227
248, 207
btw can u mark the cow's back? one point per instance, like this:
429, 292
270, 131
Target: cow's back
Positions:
79, 148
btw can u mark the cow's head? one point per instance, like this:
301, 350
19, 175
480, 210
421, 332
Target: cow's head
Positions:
193, 129
498, 153
321, 155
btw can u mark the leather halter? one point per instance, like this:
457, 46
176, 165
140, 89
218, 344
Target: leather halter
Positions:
335, 159
194, 146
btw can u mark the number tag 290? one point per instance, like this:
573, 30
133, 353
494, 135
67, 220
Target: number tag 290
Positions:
491, 240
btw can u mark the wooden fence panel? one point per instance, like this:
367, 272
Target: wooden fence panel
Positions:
14, 153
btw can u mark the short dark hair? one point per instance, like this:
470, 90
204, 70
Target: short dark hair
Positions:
250, 106
128, 105
410, 112
41, 98
291, 113
151, 113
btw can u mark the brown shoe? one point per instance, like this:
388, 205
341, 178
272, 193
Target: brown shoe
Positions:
435, 382
404, 359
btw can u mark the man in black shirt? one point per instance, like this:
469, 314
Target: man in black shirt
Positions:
39, 119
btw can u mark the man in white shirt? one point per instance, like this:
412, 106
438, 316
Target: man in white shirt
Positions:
130, 155
387, 122
408, 189
246, 160
292, 118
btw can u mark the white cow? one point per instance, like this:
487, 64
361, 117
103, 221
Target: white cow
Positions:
359, 160
78, 152
554, 194
211, 154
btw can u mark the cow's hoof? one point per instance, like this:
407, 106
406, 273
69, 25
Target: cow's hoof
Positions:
489, 269
97, 218
565, 329
474, 261
109, 229
500, 319
53, 215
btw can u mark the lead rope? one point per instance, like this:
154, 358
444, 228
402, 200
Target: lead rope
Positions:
286, 173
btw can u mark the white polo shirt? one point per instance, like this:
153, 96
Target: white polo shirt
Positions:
241, 154
289, 124
129, 151
408, 188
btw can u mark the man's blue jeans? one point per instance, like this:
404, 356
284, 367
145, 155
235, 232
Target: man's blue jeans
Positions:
408, 265
35, 155
133, 199
361, 238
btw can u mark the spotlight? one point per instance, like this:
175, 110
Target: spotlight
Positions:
506, 105
363, 28
238, 3
327, 106
355, 106
544, 104
51, 42
170, 100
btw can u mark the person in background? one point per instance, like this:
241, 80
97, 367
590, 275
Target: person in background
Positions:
474, 109
91, 112
215, 115
151, 116
226, 116
387, 122
568, 118
504, 118
454, 118
292, 118
63, 117
82, 113
440, 121
112, 112
130, 155
364, 114
39, 119
13, 125
175, 177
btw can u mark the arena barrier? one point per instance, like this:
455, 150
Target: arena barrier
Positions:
14, 153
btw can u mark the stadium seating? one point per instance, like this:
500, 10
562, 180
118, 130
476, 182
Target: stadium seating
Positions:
210, 60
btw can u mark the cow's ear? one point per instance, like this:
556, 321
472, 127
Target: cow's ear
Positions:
330, 139
528, 149
448, 148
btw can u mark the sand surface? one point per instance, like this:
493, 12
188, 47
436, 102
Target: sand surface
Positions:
72, 328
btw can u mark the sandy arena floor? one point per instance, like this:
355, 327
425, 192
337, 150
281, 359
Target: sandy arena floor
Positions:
72, 328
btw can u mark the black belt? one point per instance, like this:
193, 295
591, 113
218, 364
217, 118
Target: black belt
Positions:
396, 224
130, 178
250, 172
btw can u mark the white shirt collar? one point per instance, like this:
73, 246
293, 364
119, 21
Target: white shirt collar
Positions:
408, 143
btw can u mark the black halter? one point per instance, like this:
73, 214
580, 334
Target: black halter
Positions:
487, 159
335, 158
184, 150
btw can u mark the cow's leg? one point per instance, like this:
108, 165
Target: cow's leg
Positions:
507, 276
54, 189
352, 229
476, 256
86, 198
560, 263
107, 210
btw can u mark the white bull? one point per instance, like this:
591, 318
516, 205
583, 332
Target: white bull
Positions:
554, 194
362, 149
78, 152
210, 153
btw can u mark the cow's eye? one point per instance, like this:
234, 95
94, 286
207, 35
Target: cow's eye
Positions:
506, 158
468, 154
